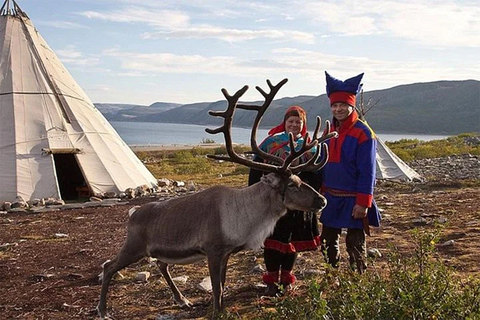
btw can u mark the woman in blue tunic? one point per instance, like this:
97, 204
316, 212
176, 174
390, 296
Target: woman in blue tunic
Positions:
296, 231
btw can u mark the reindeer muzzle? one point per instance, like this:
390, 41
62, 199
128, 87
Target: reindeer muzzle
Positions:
320, 203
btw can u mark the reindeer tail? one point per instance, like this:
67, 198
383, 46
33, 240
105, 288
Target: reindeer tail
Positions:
132, 210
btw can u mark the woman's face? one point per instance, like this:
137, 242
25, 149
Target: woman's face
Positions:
294, 124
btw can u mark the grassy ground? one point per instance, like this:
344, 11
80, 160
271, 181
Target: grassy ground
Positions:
412, 283
432, 274
193, 165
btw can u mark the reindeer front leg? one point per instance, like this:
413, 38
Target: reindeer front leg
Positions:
224, 275
215, 268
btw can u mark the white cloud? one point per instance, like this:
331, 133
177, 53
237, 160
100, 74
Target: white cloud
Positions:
232, 35
392, 42
134, 14
427, 22
442, 25
177, 24
286, 61
69, 53
62, 24
133, 74
340, 17
171, 63
74, 57
102, 88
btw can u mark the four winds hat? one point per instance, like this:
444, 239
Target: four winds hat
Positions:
343, 91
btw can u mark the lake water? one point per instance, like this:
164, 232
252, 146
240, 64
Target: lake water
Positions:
149, 133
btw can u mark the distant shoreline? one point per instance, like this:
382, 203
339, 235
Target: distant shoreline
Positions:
158, 135
174, 147
187, 146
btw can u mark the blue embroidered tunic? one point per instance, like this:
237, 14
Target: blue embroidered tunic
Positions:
349, 175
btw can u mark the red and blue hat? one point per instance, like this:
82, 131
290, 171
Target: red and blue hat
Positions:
343, 91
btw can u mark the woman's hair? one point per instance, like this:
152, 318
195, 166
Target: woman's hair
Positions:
295, 111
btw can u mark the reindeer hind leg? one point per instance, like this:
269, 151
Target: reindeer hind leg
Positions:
177, 295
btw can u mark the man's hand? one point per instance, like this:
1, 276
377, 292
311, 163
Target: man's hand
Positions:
359, 212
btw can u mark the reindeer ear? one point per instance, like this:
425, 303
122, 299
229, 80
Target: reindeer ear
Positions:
272, 179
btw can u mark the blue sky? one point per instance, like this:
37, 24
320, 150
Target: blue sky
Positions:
141, 52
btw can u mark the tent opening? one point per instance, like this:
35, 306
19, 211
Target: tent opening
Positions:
70, 178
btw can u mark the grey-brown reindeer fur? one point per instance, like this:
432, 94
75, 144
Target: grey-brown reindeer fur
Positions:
220, 221
213, 223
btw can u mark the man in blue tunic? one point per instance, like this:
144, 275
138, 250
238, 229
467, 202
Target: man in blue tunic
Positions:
348, 177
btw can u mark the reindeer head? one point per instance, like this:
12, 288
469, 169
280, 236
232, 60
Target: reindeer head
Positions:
295, 194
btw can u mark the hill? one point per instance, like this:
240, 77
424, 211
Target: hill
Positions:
440, 107
131, 112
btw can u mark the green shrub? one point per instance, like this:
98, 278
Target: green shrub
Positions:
237, 148
405, 155
183, 156
197, 151
413, 149
240, 170
186, 162
416, 286
161, 169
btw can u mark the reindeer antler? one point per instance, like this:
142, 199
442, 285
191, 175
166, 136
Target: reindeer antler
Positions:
282, 165
260, 112
313, 164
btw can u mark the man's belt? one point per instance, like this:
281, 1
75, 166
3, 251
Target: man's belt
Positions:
340, 193
348, 194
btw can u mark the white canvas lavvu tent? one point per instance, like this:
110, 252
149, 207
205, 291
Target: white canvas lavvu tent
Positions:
389, 165
53, 140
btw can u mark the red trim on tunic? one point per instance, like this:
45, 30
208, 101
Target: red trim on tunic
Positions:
365, 200
335, 145
334, 149
358, 134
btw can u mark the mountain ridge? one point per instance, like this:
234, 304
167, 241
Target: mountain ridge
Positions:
439, 107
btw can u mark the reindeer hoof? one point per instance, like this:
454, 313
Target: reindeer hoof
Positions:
102, 317
183, 303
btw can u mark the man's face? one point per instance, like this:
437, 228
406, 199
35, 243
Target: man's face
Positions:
341, 110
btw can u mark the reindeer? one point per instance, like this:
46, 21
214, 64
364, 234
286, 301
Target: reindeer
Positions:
220, 221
